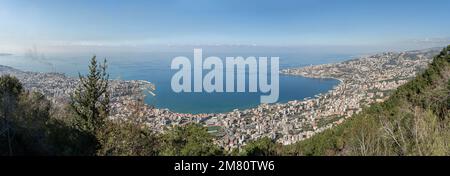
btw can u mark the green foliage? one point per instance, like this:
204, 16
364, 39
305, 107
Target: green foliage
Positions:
10, 86
128, 139
261, 147
10, 89
30, 125
66, 140
91, 99
448, 98
30, 121
189, 140
28, 129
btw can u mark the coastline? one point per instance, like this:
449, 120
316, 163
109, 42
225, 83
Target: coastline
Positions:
362, 81
297, 120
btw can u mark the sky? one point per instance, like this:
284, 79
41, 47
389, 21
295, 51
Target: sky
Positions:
61, 24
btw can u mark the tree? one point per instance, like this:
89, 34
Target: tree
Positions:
31, 124
189, 140
127, 138
10, 89
90, 100
261, 147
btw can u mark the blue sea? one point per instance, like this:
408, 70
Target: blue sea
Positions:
155, 67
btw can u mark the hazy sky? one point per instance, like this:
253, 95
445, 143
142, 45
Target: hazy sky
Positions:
136, 23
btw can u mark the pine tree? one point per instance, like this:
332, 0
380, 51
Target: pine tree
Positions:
90, 100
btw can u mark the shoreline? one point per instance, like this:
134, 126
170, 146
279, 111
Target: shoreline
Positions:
310, 116
362, 81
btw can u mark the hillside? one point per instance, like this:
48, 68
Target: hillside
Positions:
413, 121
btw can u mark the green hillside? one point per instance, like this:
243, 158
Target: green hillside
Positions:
415, 120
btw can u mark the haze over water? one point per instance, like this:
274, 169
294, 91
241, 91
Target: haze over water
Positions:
155, 67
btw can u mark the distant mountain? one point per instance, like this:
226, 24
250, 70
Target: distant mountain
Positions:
415, 120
